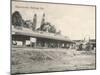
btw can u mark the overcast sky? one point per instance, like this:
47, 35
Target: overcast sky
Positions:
74, 21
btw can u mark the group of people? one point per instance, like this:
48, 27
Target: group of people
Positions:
87, 47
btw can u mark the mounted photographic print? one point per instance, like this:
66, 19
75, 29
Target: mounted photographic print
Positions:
52, 37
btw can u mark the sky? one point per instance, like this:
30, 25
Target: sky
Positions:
74, 21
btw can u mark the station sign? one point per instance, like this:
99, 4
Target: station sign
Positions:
33, 39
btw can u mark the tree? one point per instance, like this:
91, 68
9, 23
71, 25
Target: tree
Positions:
34, 22
52, 29
17, 19
43, 19
28, 24
45, 27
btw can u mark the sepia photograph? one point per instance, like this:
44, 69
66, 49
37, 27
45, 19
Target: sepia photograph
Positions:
52, 37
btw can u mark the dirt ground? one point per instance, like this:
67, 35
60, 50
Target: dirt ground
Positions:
29, 60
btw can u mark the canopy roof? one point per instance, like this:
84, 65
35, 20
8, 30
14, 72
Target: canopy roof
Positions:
39, 34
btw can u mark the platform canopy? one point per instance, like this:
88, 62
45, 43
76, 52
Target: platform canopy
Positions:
39, 34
